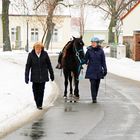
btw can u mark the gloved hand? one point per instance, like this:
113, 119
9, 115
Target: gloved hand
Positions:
52, 77
26, 80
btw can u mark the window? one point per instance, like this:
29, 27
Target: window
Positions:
55, 35
13, 34
34, 34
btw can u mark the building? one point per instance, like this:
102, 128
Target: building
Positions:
23, 27
67, 25
130, 24
131, 20
94, 23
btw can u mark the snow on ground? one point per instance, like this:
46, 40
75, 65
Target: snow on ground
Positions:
124, 67
16, 98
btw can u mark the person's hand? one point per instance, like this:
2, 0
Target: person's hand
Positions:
52, 77
26, 80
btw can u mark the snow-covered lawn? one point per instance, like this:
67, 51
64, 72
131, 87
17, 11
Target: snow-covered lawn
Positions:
124, 67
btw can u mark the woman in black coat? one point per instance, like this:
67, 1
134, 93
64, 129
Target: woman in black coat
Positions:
96, 66
38, 62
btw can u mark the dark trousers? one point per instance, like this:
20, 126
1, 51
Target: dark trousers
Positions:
38, 91
94, 85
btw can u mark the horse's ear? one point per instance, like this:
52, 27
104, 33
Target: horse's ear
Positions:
73, 37
81, 36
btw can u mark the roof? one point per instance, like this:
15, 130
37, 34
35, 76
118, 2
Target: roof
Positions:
130, 10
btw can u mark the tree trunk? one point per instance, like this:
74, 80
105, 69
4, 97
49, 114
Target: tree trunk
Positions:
50, 27
82, 19
5, 25
112, 38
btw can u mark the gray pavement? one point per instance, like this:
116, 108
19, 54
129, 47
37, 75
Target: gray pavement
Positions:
114, 117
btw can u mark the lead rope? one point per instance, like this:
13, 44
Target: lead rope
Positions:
77, 55
81, 75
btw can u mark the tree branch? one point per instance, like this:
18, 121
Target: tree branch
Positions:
38, 3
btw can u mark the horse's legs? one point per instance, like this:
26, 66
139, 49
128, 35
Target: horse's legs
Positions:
65, 82
70, 80
76, 90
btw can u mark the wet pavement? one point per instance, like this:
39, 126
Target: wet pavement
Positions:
114, 117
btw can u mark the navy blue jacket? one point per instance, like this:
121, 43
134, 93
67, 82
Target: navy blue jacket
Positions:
39, 67
96, 64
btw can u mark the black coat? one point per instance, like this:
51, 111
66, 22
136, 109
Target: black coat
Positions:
96, 64
39, 67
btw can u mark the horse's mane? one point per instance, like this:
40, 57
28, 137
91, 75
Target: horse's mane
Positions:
66, 47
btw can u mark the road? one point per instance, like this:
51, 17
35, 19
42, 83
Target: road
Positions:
116, 116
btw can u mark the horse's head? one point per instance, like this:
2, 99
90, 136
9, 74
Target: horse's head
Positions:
78, 45
78, 42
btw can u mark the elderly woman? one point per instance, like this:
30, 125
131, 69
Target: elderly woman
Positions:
39, 63
96, 66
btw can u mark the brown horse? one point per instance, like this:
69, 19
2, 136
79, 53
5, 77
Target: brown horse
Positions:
70, 60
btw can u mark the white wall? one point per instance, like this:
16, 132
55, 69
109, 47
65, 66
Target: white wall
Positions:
131, 22
64, 30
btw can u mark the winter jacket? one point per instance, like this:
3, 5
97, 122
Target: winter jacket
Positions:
96, 64
39, 67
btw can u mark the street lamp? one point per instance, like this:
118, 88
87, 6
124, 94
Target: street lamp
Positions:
27, 41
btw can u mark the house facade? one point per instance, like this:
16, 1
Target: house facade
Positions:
94, 24
101, 34
32, 28
131, 20
131, 24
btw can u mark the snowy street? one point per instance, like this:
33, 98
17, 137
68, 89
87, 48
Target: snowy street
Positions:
115, 116
16, 97
86, 87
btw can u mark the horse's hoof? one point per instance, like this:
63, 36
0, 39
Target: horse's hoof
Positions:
70, 101
65, 98
70, 95
76, 98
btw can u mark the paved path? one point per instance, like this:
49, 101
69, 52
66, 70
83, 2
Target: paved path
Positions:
114, 117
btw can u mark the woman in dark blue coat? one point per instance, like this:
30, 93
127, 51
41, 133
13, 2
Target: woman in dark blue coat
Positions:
39, 64
96, 66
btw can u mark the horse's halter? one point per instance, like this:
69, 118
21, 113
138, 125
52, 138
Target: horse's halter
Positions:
78, 56
77, 52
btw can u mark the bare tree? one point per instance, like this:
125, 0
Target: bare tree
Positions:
19, 6
5, 25
114, 9
50, 6
82, 5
